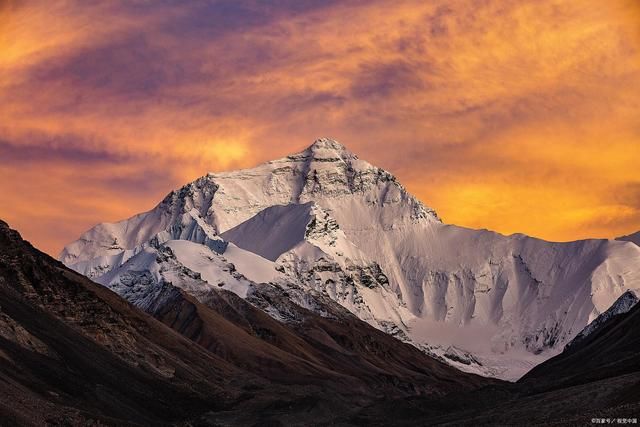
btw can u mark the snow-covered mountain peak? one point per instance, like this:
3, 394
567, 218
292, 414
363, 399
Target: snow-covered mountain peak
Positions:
325, 173
217, 202
326, 149
325, 143
328, 222
328, 155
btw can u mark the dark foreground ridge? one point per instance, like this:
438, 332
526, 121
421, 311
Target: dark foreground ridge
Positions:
73, 352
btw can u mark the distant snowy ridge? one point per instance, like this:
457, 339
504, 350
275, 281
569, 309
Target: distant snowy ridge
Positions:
635, 238
622, 305
337, 226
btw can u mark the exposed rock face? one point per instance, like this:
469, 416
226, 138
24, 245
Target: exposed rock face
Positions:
339, 226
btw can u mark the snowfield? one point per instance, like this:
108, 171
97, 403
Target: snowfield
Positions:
334, 225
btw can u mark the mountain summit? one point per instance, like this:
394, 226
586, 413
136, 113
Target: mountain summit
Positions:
329, 149
216, 202
328, 226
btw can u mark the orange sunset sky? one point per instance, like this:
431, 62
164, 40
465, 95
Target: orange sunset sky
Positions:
517, 116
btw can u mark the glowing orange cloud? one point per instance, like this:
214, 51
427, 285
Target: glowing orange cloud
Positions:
517, 116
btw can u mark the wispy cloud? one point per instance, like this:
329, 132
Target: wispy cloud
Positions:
510, 115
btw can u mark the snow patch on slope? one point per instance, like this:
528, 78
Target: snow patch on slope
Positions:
272, 231
180, 262
252, 266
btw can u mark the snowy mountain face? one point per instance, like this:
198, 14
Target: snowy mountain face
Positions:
145, 278
336, 229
